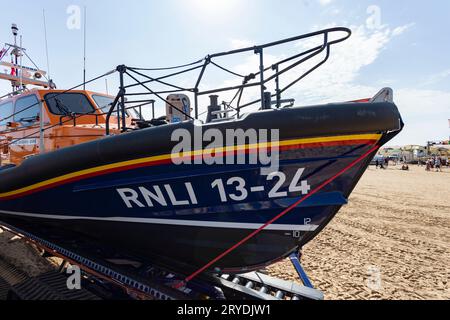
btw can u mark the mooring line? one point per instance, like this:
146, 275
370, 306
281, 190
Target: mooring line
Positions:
286, 211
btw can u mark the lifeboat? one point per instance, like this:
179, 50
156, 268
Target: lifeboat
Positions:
254, 185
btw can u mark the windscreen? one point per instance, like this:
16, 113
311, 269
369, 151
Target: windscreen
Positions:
103, 102
68, 103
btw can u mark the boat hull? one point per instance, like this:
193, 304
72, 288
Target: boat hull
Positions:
187, 214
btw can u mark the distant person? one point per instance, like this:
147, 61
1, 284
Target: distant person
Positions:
386, 163
438, 164
377, 163
428, 165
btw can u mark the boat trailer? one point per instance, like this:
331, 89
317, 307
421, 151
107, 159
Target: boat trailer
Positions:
106, 274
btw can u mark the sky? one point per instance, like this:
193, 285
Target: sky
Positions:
399, 44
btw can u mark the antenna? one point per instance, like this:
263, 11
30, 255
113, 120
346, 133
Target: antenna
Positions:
20, 75
46, 46
15, 56
21, 65
15, 32
84, 53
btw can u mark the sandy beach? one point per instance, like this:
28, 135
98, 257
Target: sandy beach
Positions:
392, 241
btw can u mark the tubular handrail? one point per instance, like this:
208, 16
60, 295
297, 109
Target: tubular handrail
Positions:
249, 81
292, 39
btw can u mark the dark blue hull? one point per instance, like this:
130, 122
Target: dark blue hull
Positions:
125, 191
177, 229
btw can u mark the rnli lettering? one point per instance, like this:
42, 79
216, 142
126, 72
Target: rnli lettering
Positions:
235, 189
144, 197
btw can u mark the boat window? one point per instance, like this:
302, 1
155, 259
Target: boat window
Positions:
104, 103
27, 110
6, 110
68, 103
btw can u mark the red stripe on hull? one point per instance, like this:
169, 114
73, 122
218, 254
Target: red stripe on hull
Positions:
192, 158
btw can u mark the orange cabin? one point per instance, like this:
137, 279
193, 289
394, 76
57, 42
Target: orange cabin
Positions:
68, 118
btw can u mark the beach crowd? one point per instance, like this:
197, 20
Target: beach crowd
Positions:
436, 163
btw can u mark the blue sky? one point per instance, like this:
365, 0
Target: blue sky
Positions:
401, 44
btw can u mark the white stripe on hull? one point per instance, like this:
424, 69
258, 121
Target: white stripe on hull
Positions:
176, 222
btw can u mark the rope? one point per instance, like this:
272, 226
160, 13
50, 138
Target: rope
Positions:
57, 95
282, 214
159, 81
71, 118
35, 65
167, 68
159, 97
227, 70
43, 130
162, 77
4, 52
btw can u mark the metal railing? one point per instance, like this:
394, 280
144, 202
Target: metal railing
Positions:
252, 80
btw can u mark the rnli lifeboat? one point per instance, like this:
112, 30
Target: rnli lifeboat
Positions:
81, 164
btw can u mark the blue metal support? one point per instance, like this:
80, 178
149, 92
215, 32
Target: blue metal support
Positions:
261, 75
301, 273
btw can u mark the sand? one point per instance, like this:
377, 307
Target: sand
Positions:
23, 255
392, 241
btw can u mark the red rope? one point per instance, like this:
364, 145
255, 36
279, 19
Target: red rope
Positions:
287, 210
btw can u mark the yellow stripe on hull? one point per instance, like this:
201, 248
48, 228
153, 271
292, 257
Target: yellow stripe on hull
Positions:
69, 176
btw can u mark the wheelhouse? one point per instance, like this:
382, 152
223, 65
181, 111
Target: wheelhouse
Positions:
39, 121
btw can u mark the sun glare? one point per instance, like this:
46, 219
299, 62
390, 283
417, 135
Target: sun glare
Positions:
212, 8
